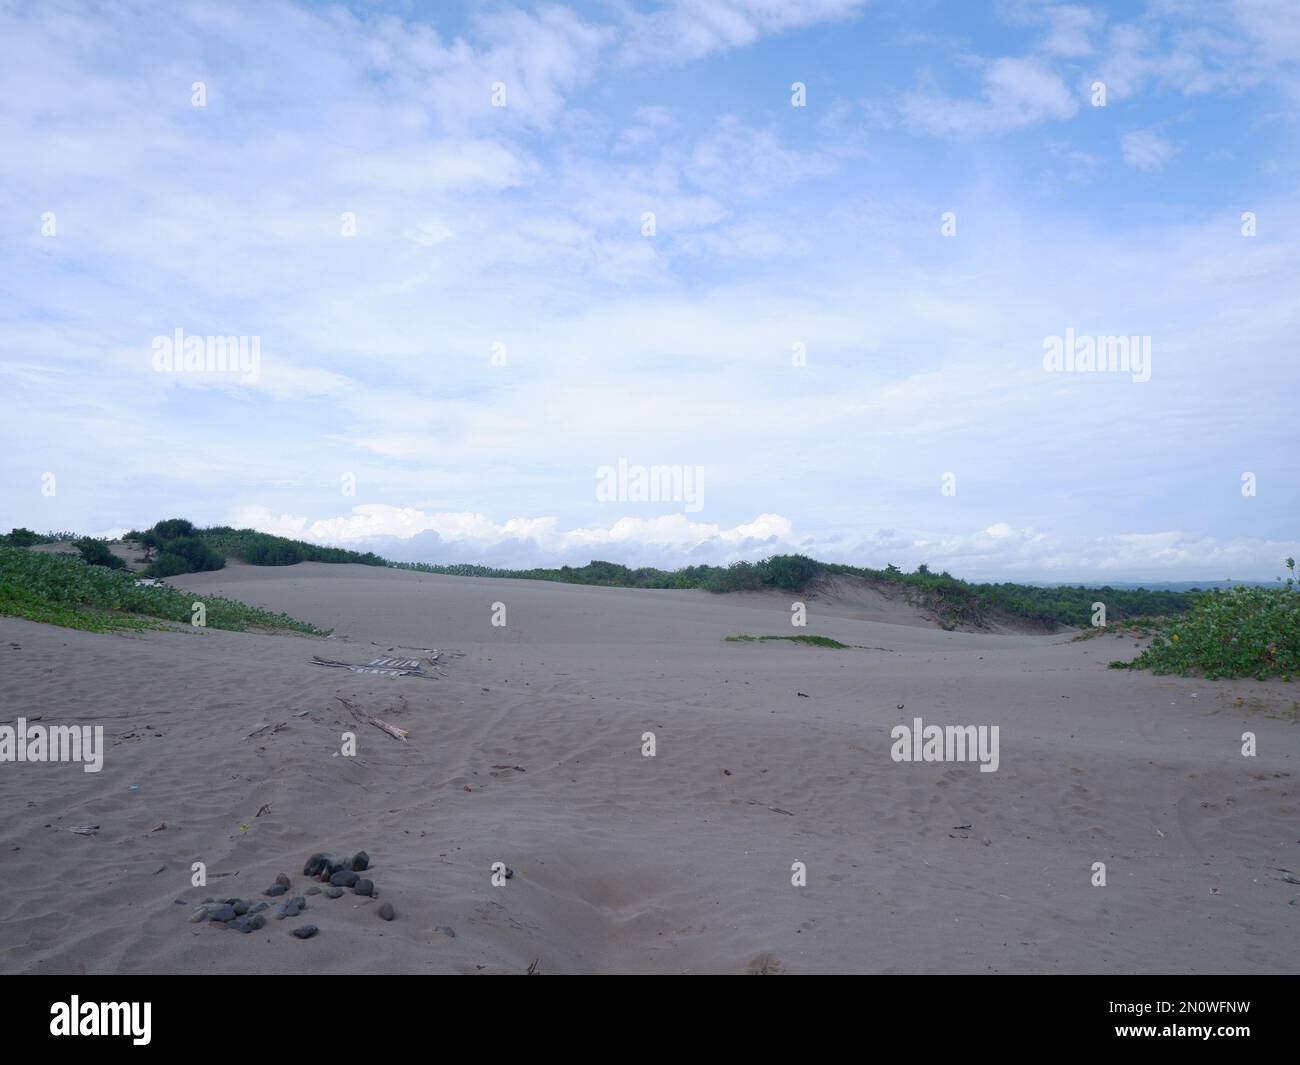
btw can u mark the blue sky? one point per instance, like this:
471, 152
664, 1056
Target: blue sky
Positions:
127, 212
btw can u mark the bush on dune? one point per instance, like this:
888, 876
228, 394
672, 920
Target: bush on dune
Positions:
96, 553
1241, 632
185, 554
64, 590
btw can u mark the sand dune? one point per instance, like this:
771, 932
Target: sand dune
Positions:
623, 863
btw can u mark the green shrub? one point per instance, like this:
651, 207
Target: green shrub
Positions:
185, 554
173, 528
21, 537
96, 553
1241, 632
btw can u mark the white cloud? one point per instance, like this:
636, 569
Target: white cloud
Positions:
1001, 549
1015, 93
1143, 150
685, 30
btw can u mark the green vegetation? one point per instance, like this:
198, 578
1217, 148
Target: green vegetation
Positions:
812, 641
21, 537
183, 548
96, 553
64, 590
180, 549
262, 549
1241, 632
954, 602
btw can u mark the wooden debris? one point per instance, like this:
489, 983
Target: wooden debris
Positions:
385, 667
370, 719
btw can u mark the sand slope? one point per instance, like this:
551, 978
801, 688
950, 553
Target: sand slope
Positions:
677, 863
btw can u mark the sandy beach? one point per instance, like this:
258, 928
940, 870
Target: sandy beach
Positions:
223, 748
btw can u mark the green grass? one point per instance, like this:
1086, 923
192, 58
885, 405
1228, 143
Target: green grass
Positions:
64, 590
1241, 632
812, 641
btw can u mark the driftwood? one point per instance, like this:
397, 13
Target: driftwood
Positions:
370, 719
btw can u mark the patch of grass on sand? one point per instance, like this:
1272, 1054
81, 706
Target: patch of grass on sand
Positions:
1241, 632
812, 641
64, 590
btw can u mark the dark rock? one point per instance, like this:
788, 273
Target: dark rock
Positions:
286, 909
260, 907
334, 863
313, 890
510, 873
305, 931
275, 889
221, 911
314, 865
360, 861
344, 878
250, 923
333, 892
283, 878
386, 912
364, 887
240, 907
179, 902
446, 930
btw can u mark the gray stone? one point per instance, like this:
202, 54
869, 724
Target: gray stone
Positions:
275, 889
240, 907
305, 931
314, 865
344, 878
221, 911
260, 907
333, 892
446, 930
283, 879
251, 923
313, 890
364, 887
360, 861
386, 912
199, 915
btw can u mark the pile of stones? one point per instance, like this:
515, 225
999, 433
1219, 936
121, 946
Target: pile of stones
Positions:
337, 873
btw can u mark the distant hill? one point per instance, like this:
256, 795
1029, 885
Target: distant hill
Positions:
177, 546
